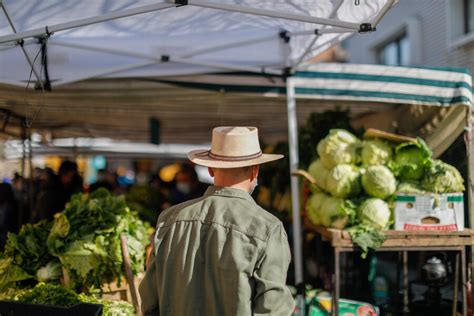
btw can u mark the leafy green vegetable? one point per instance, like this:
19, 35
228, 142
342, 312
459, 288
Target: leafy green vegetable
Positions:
366, 237
379, 182
410, 187
343, 181
110, 307
86, 238
24, 254
411, 159
52, 271
10, 274
319, 173
314, 207
48, 294
339, 147
376, 152
443, 178
56, 295
374, 213
316, 127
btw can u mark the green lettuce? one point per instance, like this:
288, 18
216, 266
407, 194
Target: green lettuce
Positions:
343, 181
413, 187
375, 152
86, 238
375, 213
411, 160
339, 147
52, 271
379, 182
443, 178
319, 173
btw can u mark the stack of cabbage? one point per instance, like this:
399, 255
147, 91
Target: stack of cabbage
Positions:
356, 181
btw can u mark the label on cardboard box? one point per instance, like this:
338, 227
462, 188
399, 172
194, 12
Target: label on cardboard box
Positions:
423, 212
321, 306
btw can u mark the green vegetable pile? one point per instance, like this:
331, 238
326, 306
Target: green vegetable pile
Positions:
83, 241
56, 295
356, 182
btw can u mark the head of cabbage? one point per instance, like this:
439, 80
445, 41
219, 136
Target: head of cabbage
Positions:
375, 213
375, 152
413, 187
379, 182
339, 147
411, 159
343, 181
443, 178
324, 210
313, 207
319, 173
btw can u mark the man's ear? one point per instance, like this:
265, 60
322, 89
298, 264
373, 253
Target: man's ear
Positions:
255, 171
211, 172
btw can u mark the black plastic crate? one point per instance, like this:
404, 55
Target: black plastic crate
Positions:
8, 308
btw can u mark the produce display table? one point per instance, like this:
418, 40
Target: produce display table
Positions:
404, 241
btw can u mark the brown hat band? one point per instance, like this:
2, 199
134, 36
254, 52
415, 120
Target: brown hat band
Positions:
234, 158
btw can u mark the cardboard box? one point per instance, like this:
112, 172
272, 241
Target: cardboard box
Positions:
438, 212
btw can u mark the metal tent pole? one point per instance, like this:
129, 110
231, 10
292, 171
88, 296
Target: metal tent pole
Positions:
48, 30
295, 194
310, 46
386, 7
269, 13
332, 30
152, 60
28, 58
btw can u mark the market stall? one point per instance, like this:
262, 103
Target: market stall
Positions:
381, 84
46, 44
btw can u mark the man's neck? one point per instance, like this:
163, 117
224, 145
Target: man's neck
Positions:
239, 186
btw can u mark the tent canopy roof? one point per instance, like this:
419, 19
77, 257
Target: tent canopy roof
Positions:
201, 37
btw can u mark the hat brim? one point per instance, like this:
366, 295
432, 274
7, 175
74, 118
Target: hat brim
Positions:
201, 157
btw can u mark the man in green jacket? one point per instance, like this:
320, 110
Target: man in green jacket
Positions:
220, 254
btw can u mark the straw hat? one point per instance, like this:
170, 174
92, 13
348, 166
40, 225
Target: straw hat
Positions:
232, 147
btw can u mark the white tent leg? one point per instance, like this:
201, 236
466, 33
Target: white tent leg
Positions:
83, 22
295, 193
273, 14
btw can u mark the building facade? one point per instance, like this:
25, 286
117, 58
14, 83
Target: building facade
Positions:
419, 33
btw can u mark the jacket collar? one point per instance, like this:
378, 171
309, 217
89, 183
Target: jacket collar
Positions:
229, 192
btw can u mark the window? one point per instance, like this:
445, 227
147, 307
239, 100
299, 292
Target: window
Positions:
468, 9
395, 52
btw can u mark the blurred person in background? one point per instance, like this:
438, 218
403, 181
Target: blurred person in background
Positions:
8, 212
186, 185
50, 198
20, 191
103, 181
71, 181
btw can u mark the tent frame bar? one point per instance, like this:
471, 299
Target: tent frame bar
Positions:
268, 13
48, 30
21, 43
320, 31
161, 59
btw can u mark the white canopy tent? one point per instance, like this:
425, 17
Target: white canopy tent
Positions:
66, 41
161, 38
